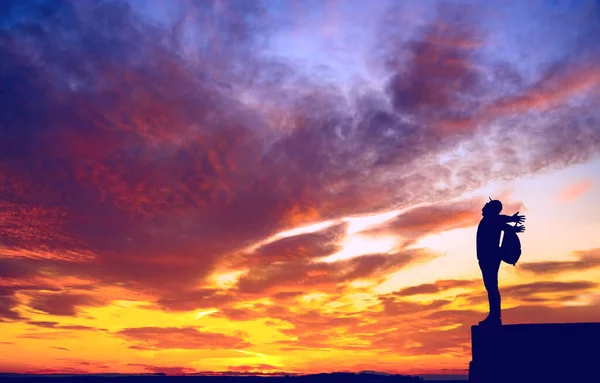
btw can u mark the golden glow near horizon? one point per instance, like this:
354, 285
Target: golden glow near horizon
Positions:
277, 343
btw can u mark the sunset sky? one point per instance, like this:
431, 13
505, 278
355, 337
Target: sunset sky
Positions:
289, 185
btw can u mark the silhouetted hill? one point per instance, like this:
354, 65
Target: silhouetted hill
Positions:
337, 377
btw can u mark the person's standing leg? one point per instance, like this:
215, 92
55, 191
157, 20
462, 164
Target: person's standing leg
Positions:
484, 267
489, 271
493, 291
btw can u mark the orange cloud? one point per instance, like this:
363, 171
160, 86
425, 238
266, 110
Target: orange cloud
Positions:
549, 292
62, 304
436, 218
434, 288
551, 91
320, 276
586, 260
187, 338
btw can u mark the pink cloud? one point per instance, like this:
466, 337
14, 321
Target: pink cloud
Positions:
574, 191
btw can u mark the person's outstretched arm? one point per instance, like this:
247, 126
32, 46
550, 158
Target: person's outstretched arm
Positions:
512, 218
517, 228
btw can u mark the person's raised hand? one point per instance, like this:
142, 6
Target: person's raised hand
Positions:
519, 229
518, 218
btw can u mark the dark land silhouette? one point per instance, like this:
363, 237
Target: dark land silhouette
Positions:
336, 377
550, 352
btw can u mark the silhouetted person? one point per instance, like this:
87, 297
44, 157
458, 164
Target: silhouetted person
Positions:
488, 252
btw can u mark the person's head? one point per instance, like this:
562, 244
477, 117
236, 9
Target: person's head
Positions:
493, 207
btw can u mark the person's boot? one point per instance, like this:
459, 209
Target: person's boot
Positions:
491, 321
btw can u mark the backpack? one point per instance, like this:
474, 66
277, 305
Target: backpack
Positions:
510, 250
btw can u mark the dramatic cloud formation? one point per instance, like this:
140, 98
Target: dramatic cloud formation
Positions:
255, 184
586, 260
433, 288
62, 304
